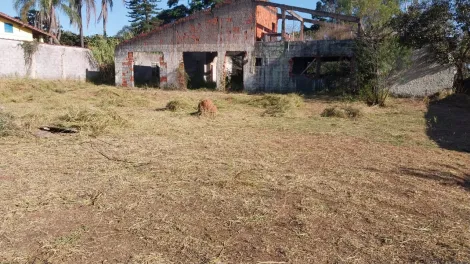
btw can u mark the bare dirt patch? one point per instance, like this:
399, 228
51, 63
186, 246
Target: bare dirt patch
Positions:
169, 187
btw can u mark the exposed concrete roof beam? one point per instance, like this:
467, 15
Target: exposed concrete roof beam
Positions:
310, 11
294, 14
306, 20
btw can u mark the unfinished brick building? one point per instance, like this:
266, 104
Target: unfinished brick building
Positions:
238, 45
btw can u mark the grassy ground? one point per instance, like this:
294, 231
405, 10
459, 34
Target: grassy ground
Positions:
261, 182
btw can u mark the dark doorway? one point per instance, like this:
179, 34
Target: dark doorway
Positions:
234, 62
200, 68
303, 65
147, 75
147, 69
326, 74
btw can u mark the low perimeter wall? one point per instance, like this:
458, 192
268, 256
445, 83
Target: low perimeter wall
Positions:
48, 62
423, 77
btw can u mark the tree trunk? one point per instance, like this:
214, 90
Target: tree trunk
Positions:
458, 85
79, 10
52, 24
55, 40
104, 27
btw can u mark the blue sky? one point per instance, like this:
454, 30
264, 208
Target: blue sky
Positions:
118, 17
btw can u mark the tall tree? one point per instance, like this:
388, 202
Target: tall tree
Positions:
104, 13
125, 33
443, 27
172, 14
141, 14
379, 55
196, 5
47, 14
35, 19
90, 9
335, 6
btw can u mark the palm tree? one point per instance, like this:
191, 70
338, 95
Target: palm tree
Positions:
47, 13
90, 9
104, 13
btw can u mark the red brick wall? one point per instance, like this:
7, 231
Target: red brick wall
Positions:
230, 24
265, 18
128, 71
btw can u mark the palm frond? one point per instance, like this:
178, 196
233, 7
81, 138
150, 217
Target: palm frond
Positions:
71, 13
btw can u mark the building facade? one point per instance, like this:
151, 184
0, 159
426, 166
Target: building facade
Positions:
14, 29
239, 45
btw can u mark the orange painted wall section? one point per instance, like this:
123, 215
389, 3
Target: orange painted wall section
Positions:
266, 21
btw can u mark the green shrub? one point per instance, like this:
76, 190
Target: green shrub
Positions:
342, 112
103, 52
373, 96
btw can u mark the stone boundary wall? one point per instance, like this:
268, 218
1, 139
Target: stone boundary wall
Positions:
423, 77
48, 62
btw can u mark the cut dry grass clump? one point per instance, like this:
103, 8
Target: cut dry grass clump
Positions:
7, 126
278, 104
92, 121
342, 112
110, 96
28, 90
178, 105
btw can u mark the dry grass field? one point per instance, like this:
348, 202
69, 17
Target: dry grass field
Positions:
265, 180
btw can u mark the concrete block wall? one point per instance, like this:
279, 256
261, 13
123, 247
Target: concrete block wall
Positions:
229, 27
48, 62
422, 77
275, 73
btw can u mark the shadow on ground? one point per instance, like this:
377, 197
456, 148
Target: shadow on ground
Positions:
448, 122
448, 177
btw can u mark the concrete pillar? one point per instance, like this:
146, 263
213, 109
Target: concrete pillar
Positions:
302, 31
176, 74
249, 73
283, 32
213, 66
220, 70
318, 70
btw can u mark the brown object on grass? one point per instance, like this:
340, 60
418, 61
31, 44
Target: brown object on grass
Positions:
207, 107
